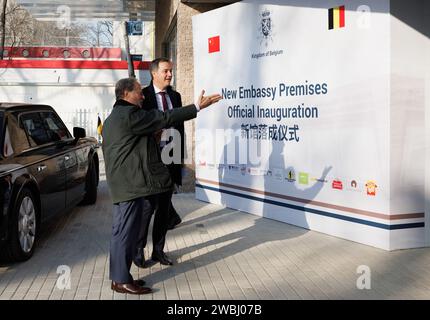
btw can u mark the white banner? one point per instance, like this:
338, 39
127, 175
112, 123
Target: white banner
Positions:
303, 133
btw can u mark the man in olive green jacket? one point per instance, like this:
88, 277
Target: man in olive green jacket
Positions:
136, 176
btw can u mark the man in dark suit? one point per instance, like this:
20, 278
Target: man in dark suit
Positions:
160, 95
128, 146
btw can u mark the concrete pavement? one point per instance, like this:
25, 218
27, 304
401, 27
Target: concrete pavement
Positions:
220, 254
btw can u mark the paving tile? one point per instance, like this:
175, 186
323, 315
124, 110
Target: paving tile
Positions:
220, 254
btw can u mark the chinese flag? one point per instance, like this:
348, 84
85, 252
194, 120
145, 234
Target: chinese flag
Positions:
213, 44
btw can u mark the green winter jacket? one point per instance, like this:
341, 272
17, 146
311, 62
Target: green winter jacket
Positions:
132, 156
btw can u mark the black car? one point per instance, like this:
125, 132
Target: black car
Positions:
43, 171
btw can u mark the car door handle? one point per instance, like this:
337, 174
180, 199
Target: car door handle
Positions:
41, 168
67, 157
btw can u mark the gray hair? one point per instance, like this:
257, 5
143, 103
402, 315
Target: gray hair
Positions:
126, 84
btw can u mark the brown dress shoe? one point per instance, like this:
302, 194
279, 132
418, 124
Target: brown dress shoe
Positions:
138, 282
130, 288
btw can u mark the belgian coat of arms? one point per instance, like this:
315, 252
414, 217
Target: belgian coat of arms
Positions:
266, 26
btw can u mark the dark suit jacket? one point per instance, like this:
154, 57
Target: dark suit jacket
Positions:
132, 156
150, 102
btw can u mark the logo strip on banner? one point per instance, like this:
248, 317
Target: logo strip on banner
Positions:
317, 203
371, 214
336, 17
318, 212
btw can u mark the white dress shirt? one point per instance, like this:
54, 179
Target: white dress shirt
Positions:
159, 99
160, 107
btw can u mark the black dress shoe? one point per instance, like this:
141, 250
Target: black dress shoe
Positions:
139, 259
161, 257
174, 223
139, 262
139, 282
129, 288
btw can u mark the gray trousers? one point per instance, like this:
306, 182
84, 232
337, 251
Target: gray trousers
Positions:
128, 217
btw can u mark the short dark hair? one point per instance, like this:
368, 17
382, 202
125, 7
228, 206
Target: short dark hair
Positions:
156, 63
126, 84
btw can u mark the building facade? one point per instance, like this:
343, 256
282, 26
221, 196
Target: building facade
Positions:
174, 40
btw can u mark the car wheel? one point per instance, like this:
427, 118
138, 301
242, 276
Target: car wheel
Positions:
24, 228
91, 184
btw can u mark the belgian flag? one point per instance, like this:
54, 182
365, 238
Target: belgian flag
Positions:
336, 17
99, 125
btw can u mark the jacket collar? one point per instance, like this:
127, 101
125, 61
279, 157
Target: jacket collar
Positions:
121, 102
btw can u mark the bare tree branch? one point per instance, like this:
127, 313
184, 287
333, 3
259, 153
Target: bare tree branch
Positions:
99, 34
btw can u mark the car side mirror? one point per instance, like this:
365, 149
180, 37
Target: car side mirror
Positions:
79, 132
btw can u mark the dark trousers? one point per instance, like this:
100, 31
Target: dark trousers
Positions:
173, 216
176, 175
128, 216
160, 205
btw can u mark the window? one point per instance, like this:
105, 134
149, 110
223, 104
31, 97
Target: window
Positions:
18, 136
44, 127
85, 54
55, 127
7, 144
36, 132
